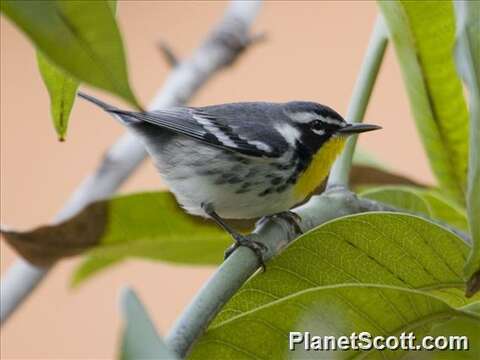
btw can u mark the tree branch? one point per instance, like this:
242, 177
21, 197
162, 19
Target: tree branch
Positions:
220, 49
277, 233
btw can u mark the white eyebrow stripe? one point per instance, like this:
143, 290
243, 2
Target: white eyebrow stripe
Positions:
290, 133
329, 120
215, 131
302, 117
306, 117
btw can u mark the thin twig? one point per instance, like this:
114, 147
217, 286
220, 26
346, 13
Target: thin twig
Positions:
127, 153
168, 54
257, 38
360, 97
275, 233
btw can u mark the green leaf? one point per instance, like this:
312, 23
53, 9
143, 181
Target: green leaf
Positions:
420, 201
263, 332
145, 225
459, 326
113, 5
152, 226
80, 37
92, 265
445, 210
467, 56
371, 248
140, 339
400, 197
423, 33
62, 90
61, 87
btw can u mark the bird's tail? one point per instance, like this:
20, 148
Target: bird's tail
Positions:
121, 115
99, 103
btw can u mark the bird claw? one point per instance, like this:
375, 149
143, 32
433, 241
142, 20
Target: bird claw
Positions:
257, 247
293, 219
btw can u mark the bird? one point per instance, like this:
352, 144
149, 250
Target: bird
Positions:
244, 160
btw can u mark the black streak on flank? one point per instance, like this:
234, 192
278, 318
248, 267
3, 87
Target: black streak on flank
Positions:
242, 160
234, 180
276, 180
244, 188
265, 192
246, 184
206, 172
281, 166
222, 179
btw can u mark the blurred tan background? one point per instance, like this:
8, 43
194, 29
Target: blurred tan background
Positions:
313, 52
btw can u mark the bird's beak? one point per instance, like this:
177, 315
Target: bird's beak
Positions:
352, 129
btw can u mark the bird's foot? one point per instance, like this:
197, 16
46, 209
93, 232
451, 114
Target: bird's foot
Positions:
293, 219
257, 247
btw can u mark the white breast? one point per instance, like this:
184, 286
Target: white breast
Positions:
234, 184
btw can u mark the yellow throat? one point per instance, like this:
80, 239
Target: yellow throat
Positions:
318, 169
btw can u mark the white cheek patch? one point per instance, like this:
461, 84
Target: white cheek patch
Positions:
290, 133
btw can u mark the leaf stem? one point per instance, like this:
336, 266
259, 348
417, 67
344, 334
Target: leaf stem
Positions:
360, 97
468, 61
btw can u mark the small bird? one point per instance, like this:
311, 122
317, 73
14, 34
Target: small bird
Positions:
241, 160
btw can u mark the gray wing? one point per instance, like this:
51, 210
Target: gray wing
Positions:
245, 128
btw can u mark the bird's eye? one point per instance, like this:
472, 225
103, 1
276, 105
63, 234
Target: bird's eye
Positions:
316, 125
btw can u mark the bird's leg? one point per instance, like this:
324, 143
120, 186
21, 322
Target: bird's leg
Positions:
240, 240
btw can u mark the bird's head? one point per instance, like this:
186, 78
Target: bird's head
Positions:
318, 134
314, 124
